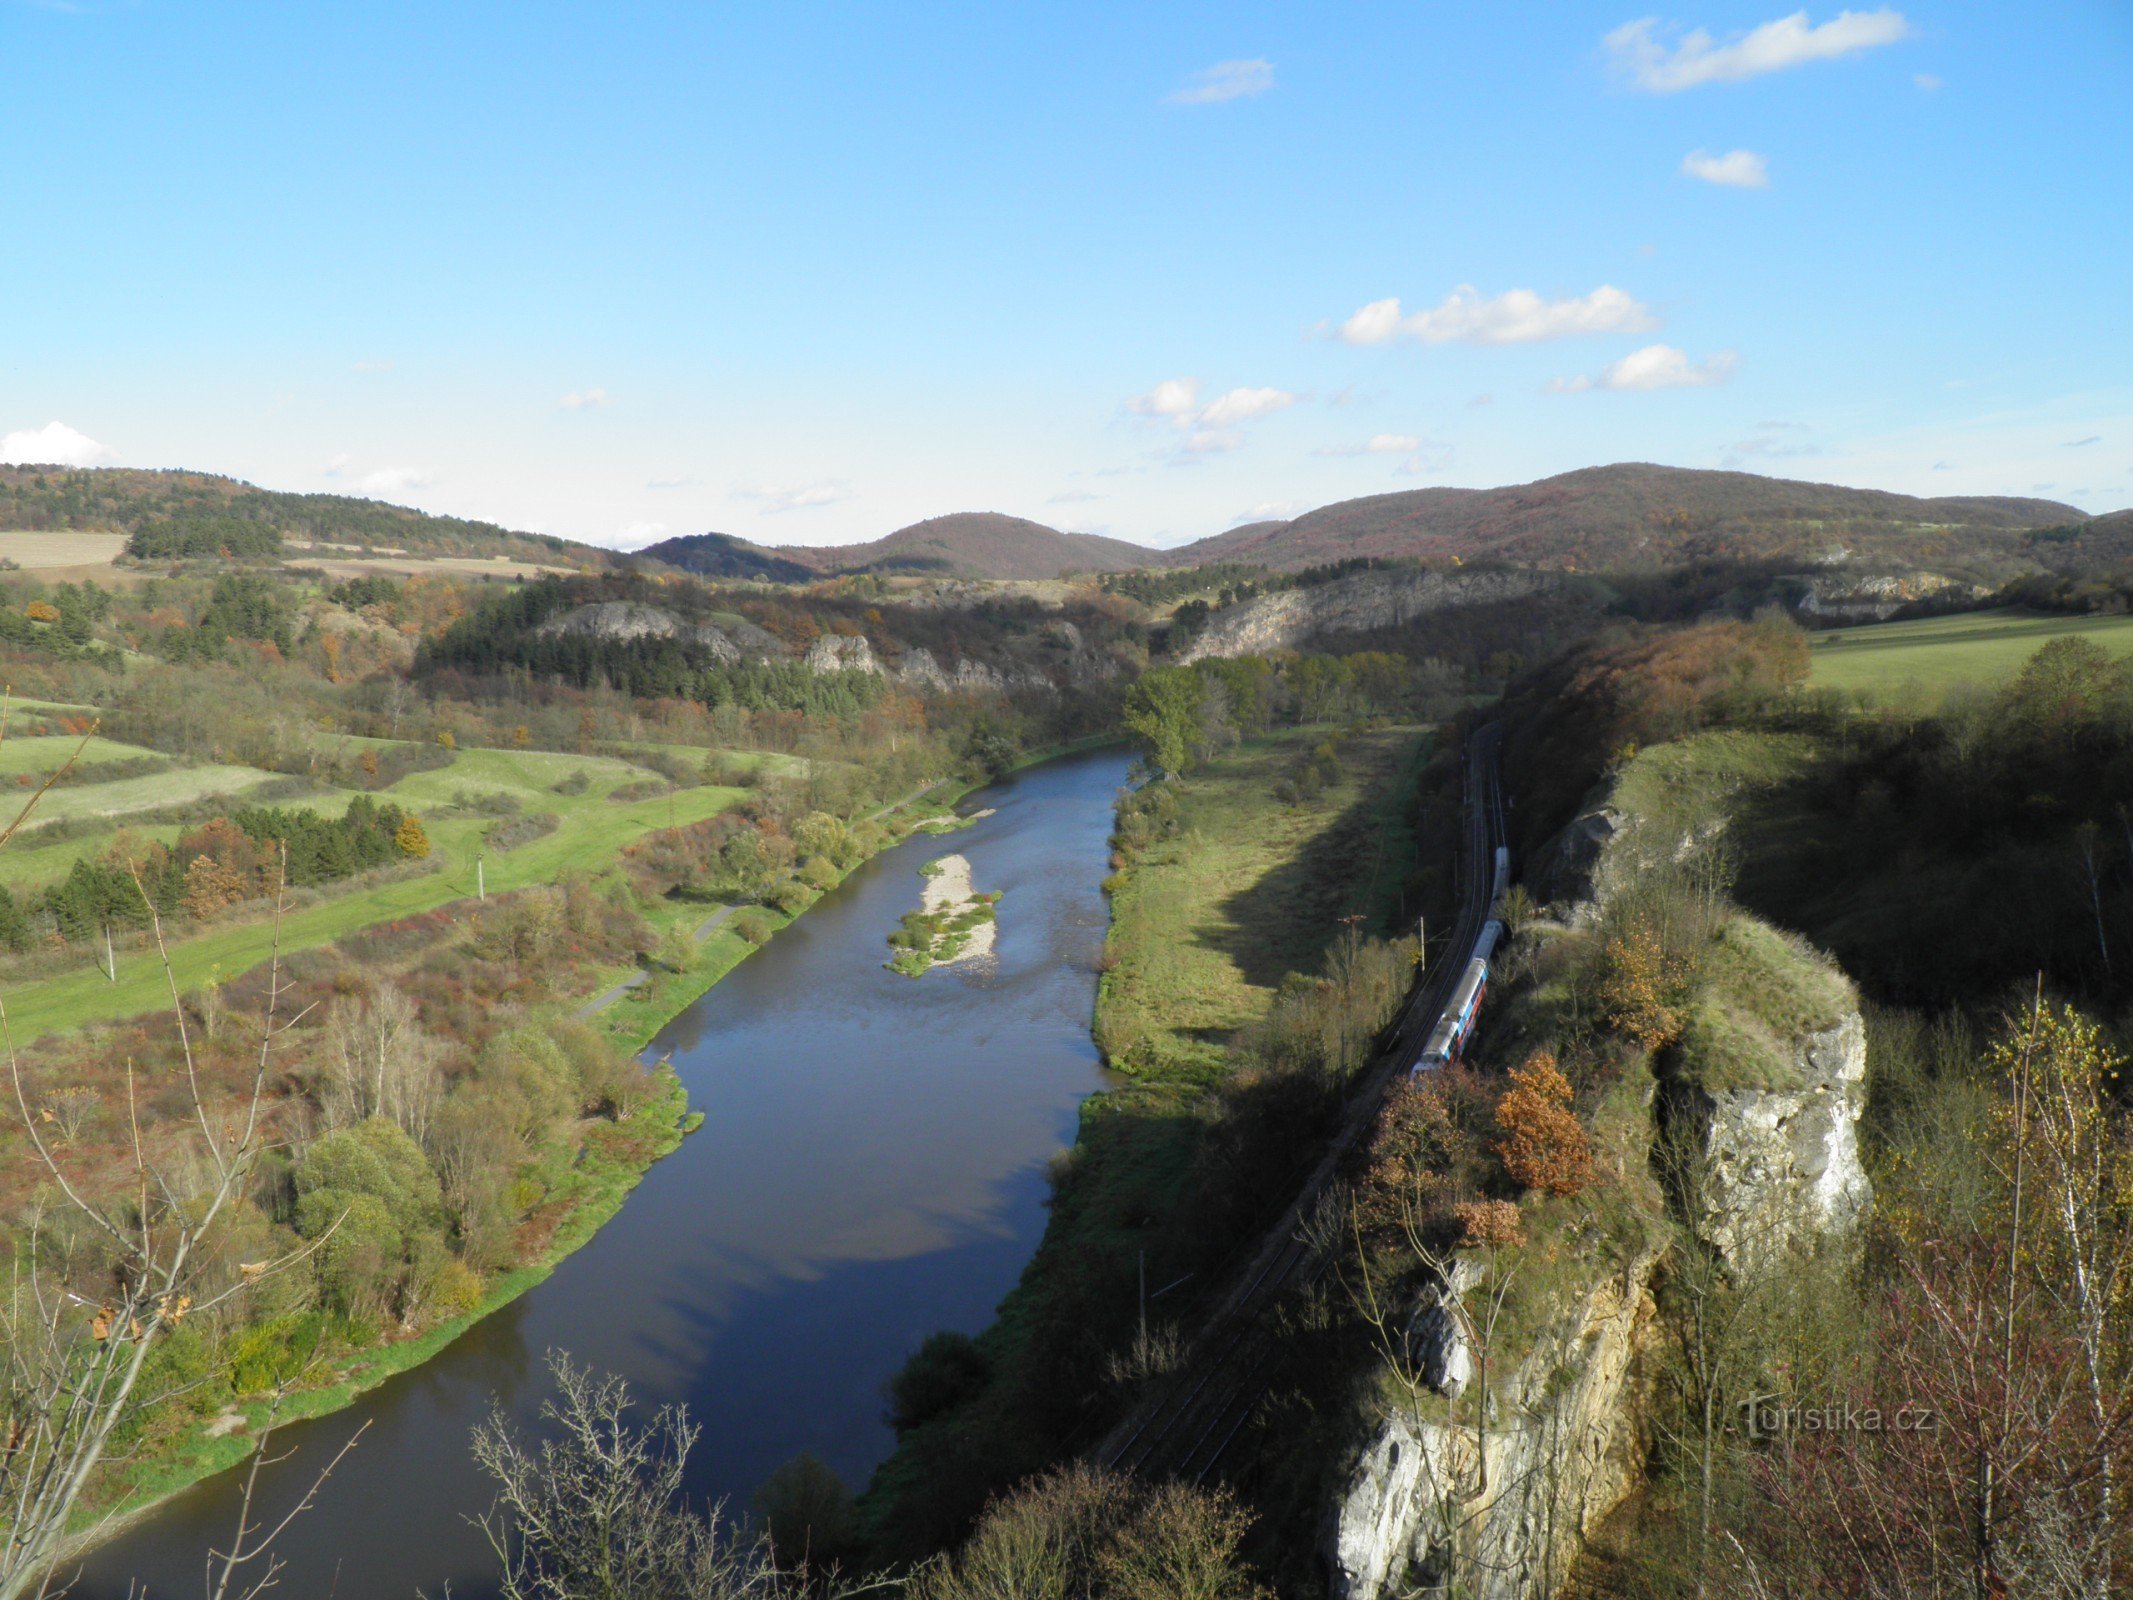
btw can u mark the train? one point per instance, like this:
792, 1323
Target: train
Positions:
1456, 1026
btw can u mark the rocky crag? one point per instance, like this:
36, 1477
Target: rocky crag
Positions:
1498, 1505
1363, 602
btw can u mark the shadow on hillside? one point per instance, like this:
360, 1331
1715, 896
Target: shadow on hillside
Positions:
1283, 922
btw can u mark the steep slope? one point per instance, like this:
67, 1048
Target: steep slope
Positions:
1637, 515
720, 555
979, 544
123, 499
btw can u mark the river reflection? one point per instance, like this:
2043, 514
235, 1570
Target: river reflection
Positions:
870, 1169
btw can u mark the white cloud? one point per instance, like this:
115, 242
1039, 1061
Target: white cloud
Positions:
373, 366
1225, 80
681, 480
636, 535
776, 500
1243, 405
1737, 169
1775, 46
1173, 397
1072, 497
53, 445
1272, 511
337, 466
1212, 441
1517, 316
1211, 429
1926, 81
393, 480
1656, 366
586, 400
1378, 444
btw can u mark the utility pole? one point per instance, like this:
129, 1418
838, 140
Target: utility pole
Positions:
481, 877
111, 966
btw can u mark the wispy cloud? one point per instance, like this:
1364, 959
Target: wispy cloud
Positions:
1225, 80
636, 535
394, 480
1211, 429
1173, 397
680, 480
776, 500
2076, 444
1737, 169
586, 400
1517, 316
1072, 497
373, 366
1926, 81
1656, 366
53, 445
1271, 511
1695, 58
1244, 405
1378, 444
337, 466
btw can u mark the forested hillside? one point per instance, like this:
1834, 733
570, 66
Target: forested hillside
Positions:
179, 514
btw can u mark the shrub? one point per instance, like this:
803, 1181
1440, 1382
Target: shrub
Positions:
944, 1372
1543, 1145
753, 925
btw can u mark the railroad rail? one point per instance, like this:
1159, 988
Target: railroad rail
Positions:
1185, 1428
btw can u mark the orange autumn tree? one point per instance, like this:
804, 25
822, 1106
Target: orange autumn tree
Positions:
413, 839
1542, 1143
1645, 989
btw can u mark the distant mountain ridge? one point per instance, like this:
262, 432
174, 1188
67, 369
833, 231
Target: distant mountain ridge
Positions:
122, 499
1632, 514
986, 544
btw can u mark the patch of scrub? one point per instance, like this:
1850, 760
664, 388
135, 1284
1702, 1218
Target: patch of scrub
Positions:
953, 922
951, 824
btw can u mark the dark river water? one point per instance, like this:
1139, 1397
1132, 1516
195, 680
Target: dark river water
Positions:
870, 1169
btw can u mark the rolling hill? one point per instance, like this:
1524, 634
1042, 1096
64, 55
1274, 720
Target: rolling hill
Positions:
979, 544
1636, 515
122, 499
721, 555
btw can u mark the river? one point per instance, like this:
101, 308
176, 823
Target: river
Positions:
870, 1169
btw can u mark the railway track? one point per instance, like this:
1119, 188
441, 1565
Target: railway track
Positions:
1186, 1428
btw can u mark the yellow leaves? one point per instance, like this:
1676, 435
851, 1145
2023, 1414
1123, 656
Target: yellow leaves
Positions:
1644, 989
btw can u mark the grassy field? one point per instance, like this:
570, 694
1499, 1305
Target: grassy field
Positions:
1928, 657
593, 830
35, 552
1206, 926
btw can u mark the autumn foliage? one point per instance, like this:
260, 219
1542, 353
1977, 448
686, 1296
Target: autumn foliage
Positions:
1542, 1143
1644, 989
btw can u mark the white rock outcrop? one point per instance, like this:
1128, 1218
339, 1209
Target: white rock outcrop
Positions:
1778, 1170
1509, 1494
1360, 603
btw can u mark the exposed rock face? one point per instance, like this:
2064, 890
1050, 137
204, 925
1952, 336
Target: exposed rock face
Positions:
839, 652
1508, 1506
1869, 597
1780, 1168
631, 619
1360, 603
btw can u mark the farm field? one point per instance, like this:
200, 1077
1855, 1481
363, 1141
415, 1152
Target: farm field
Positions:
1935, 654
593, 829
37, 552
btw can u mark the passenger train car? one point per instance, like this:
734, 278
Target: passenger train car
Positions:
1456, 1026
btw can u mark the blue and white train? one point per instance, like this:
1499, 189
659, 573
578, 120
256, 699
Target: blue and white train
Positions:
1456, 1026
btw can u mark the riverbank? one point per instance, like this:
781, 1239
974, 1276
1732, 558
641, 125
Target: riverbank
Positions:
615, 1162
1225, 885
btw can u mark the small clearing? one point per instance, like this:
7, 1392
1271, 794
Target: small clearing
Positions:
953, 922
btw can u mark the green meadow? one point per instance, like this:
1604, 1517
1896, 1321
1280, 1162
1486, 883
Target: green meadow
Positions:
1928, 657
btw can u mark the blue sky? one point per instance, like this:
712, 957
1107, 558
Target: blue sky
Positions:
805, 273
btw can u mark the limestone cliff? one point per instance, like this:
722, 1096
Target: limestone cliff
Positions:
1506, 1504
1360, 603
1764, 1090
